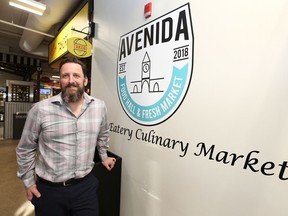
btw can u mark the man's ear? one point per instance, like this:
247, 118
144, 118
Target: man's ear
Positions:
85, 81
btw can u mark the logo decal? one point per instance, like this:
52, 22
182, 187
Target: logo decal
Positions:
79, 47
154, 69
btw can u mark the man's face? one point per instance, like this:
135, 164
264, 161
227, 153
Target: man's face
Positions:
72, 82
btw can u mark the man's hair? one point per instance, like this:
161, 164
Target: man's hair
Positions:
76, 61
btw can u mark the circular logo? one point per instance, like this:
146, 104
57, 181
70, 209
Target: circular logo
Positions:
80, 47
154, 67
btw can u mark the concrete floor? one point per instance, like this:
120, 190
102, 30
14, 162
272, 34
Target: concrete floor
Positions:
13, 200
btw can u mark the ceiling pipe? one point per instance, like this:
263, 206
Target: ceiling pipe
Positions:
25, 28
56, 12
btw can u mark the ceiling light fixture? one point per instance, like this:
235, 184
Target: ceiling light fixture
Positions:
29, 5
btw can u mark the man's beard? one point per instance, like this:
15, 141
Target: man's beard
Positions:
72, 97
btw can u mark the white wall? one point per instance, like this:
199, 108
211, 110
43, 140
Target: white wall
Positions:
237, 101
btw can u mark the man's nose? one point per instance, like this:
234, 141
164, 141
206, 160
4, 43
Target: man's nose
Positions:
71, 79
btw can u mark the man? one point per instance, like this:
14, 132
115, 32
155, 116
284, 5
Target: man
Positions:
56, 150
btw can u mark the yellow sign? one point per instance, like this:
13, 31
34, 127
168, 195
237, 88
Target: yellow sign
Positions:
79, 47
58, 47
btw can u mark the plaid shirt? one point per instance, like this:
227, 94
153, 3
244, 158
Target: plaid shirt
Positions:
58, 146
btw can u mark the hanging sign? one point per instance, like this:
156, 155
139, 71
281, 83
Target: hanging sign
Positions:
79, 47
58, 47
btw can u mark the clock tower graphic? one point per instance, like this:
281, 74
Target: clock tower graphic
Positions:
152, 84
146, 67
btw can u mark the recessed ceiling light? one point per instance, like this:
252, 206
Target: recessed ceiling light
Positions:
29, 5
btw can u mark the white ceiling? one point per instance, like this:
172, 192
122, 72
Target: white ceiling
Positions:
10, 35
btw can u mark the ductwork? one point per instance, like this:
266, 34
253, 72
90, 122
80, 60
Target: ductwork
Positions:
56, 12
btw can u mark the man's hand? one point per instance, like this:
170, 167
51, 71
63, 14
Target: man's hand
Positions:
109, 163
32, 191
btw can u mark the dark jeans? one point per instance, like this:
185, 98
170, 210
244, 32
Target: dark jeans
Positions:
75, 200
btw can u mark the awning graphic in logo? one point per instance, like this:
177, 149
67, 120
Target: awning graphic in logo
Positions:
154, 70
